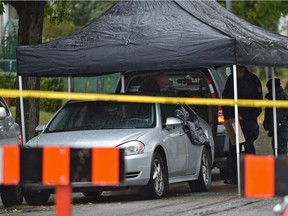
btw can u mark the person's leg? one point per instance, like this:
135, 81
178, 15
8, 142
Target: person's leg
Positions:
282, 146
250, 130
232, 159
282, 140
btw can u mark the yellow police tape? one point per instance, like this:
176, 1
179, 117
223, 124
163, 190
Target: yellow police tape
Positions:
140, 98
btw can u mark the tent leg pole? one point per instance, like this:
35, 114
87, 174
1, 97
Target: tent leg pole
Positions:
237, 128
122, 83
274, 114
69, 83
22, 111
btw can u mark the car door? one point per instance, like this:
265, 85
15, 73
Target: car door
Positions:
176, 143
194, 149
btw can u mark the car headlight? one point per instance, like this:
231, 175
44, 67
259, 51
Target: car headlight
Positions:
133, 147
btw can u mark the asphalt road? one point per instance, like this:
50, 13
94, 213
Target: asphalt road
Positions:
220, 200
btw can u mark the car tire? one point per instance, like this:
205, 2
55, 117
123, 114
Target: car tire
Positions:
203, 183
37, 197
156, 186
11, 195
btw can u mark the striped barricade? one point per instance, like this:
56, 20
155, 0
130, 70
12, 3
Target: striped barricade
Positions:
59, 166
264, 176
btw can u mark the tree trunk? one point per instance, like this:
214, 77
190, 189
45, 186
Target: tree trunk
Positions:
31, 16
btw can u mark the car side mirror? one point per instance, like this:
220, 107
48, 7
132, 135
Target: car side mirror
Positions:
40, 128
3, 113
172, 121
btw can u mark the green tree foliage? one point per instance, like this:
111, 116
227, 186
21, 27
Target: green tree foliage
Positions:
83, 12
265, 14
31, 17
77, 14
1, 7
56, 11
52, 31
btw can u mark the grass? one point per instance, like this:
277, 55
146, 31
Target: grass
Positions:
44, 116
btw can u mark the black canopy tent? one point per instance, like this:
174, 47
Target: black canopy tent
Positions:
156, 35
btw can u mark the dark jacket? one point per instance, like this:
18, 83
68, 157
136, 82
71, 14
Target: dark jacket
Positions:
282, 113
149, 85
249, 87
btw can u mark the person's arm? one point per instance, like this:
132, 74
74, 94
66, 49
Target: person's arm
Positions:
258, 95
255, 92
259, 92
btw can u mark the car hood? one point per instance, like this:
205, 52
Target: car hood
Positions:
87, 139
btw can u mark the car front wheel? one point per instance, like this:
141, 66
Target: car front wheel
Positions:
156, 185
11, 195
37, 197
203, 183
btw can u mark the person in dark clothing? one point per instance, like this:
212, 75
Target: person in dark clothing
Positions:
248, 87
156, 83
282, 118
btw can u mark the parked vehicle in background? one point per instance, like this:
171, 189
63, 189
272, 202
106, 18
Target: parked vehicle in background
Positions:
160, 146
10, 134
199, 83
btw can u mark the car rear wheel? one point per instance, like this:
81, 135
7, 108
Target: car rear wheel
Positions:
37, 197
203, 183
156, 186
11, 195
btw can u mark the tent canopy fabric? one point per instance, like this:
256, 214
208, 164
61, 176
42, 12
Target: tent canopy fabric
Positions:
155, 35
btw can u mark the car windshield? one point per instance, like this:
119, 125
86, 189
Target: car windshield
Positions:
96, 115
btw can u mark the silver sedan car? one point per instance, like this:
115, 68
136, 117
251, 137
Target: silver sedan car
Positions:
163, 143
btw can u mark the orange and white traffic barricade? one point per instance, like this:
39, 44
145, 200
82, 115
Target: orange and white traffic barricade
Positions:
9, 164
59, 166
264, 176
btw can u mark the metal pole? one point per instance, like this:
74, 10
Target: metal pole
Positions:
122, 83
22, 111
237, 128
69, 84
274, 114
228, 5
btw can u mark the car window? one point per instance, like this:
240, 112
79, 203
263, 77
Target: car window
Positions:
95, 115
191, 84
99, 84
220, 77
186, 83
167, 110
